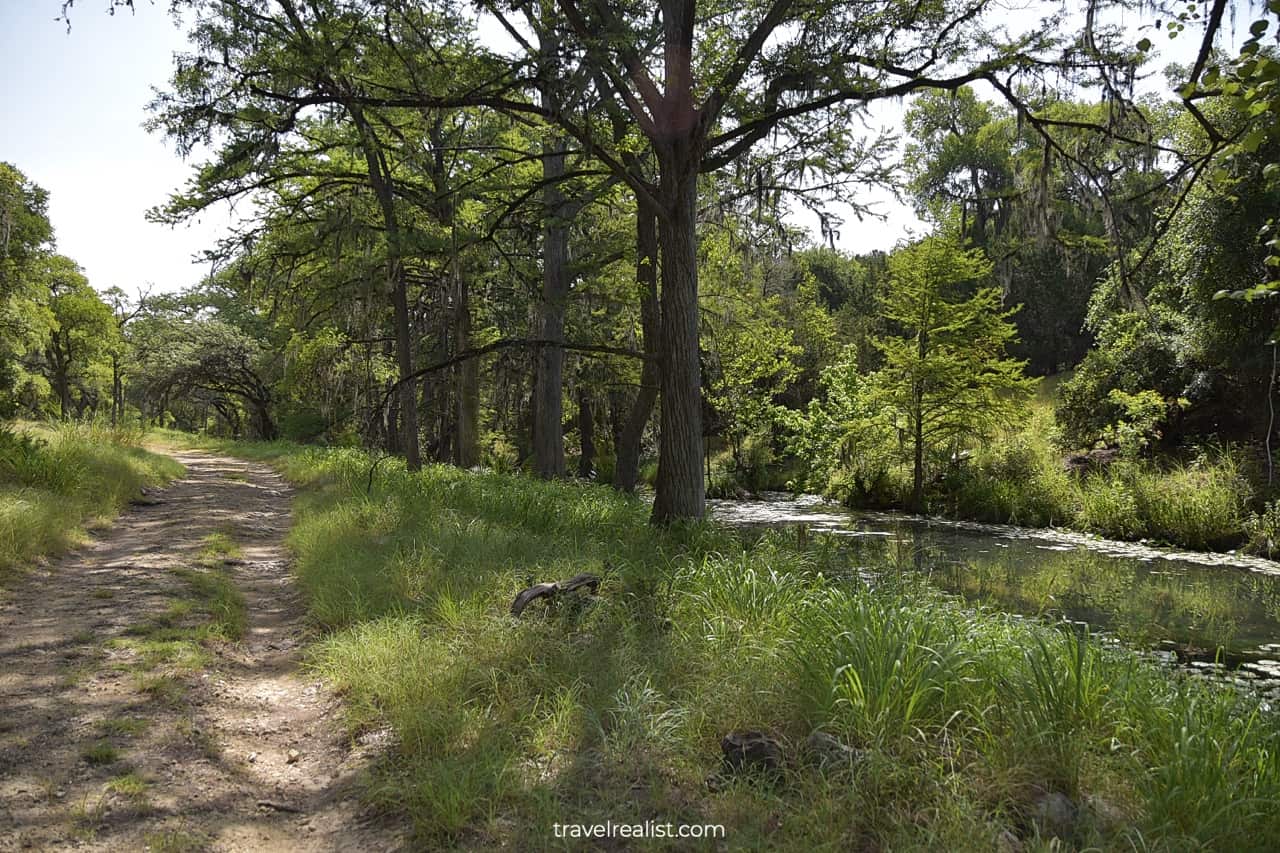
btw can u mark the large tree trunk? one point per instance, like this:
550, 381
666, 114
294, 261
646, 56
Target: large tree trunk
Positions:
548, 413
263, 424
626, 469
467, 438
681, 490
404, 365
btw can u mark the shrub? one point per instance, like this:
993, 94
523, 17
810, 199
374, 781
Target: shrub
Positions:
1131, 356
1263, 530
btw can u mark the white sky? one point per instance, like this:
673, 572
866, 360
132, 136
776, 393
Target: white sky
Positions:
71, 120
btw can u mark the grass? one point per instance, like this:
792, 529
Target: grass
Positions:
58, 480
162, 688
612, 708
1019, 478
176, 841
100, 752
122, 726
176, 641
133, 786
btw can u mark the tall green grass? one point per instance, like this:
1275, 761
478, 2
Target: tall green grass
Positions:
612, 708
1019, 478
56, 479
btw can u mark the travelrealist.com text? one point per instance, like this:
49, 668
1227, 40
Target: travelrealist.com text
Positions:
648, 829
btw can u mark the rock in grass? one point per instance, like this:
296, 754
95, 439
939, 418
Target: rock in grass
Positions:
292, 757
750, 751
1054, 816
827, 750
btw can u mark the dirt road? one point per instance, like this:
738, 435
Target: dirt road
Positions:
127, 724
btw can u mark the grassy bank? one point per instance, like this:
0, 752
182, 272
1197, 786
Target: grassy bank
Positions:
58, 480
968, 726
1204, 499
1200, 500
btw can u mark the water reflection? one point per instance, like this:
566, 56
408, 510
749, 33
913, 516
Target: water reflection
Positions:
1196, 608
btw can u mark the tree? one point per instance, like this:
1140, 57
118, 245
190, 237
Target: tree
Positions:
84, 329
25, 231
208, 359
945, 373
256, 85
26, 237
748, 349
702, 84
961, 156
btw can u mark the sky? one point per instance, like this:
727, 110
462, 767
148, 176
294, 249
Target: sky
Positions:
71, 120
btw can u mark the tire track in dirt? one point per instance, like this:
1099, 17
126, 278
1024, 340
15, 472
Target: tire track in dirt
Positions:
108, 744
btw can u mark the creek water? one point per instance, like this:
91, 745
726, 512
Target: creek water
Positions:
1217, 613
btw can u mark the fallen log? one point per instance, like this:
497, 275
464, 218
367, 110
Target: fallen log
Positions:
551, 590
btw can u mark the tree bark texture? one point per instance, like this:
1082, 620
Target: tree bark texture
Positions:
681, 490
548, 430
626, 470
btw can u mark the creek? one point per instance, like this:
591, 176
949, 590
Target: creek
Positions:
1216, 613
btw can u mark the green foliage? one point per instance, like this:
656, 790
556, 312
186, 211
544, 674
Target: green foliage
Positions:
1201, 505
845, 439
1018, 477
1057, 700
750, 350
1133, 356
1263, 529
945, 377
82, 333
25, 235
879, 673
1139, 423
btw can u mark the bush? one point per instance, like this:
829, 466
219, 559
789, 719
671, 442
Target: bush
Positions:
1263, 530
1202, 505
1018, 480
1131, 356
303, 426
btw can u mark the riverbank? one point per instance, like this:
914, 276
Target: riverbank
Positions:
896, 718
58, 480
1211, 498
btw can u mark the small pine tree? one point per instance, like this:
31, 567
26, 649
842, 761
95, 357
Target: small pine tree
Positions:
946, 372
